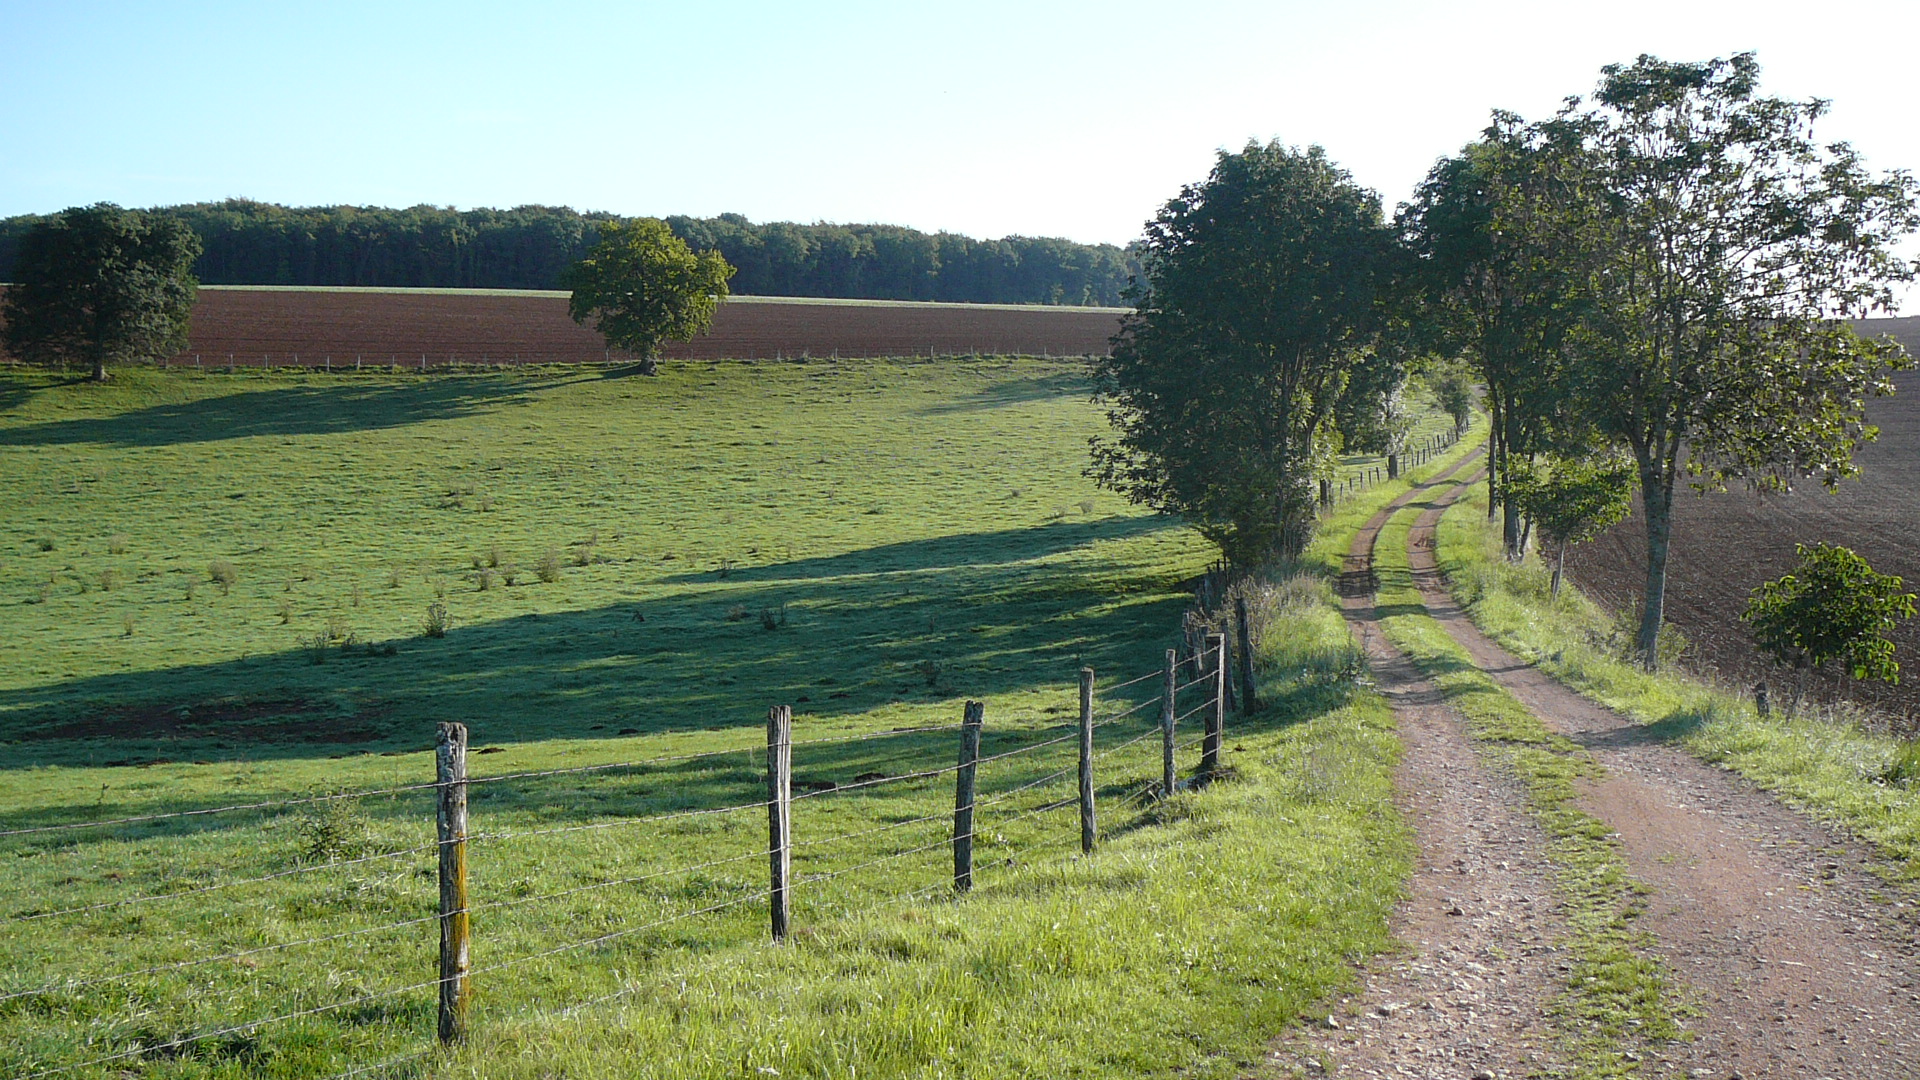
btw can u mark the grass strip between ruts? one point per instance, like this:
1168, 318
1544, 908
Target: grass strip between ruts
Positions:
1617, 994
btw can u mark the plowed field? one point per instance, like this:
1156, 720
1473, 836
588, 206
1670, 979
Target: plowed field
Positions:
316, 326
1725, 544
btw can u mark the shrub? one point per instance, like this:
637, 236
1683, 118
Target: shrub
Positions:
117, 544
393, 578
483, 580
736, 613
773, 618
127, 622
286, 612
495, 556
222, 573
355, 596
510, 574
583, 555
108, 579
1086, 506
333, 829
439, 620
929, 670
549, 568
44, 543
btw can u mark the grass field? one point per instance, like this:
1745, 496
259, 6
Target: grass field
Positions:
216, 589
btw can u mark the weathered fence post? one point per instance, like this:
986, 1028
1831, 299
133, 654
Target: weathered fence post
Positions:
1167, 779
1248, 702
1086, 761
963, 788
456, 946
779, 814
1216, 716
1326, 492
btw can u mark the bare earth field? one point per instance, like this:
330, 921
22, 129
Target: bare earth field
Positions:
311, 327
1726, 544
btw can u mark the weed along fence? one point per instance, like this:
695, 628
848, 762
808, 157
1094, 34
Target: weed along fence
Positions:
370, 988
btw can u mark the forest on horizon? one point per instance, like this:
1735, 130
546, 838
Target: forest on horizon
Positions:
256, 243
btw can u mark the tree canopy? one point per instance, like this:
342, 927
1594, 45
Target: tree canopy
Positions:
99, 286
1571, 500
641, 285
1262, 297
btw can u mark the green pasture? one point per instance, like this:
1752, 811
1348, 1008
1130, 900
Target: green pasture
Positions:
216, 588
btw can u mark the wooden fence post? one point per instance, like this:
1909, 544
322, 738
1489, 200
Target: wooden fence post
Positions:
1086, 761
779, 815
963, 787
1167, 779
456, 945
1248, 702
1216, 716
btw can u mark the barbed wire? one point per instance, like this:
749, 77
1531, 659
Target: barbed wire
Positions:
1148, 734
267, 805
1136, 680
1195, 711
155, 897
1134, 709
198, 961
618, 823
496, 905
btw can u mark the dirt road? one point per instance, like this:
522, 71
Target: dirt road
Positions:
1787, 950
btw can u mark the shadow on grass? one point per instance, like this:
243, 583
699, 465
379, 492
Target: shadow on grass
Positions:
323, 409
1015, 392
691, 661
958, 552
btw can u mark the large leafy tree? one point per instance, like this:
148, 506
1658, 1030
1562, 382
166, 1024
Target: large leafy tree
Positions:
1718, 248
1261, 297
642, 285
99, 286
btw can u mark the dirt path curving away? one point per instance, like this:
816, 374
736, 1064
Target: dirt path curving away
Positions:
1468, 999
1775, 928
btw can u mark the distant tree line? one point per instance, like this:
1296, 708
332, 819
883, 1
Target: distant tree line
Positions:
253, 243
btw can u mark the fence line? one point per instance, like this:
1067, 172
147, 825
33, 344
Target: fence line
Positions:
454, 783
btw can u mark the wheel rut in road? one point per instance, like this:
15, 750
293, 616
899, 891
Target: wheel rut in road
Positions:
1469, 997
1774, 927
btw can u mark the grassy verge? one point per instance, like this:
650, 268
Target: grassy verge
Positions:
1616, 994
1833, 771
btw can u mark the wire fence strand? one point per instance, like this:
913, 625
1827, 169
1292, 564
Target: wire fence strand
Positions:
203, 890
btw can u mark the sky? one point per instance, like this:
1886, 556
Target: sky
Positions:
990, 118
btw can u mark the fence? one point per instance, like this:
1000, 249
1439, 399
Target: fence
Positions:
1193, 683
1412, 456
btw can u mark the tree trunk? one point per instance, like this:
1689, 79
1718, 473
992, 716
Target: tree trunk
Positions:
1559, 570
99, 369
1656, 499
1493, 459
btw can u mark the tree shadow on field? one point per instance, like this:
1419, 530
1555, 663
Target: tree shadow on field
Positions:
703, 657
944, 552
326, 409
1015, 392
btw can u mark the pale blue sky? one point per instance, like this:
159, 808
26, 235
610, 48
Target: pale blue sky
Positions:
989, 118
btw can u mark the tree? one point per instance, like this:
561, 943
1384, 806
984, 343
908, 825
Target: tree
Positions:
642, 285
99, 285
1261, 297
1832, 607
1717, 249
1571, 501
1488, 286
1453, 393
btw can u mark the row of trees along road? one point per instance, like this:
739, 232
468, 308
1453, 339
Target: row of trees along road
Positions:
1661, 275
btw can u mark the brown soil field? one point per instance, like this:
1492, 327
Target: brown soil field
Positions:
1725, 544
311, 327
